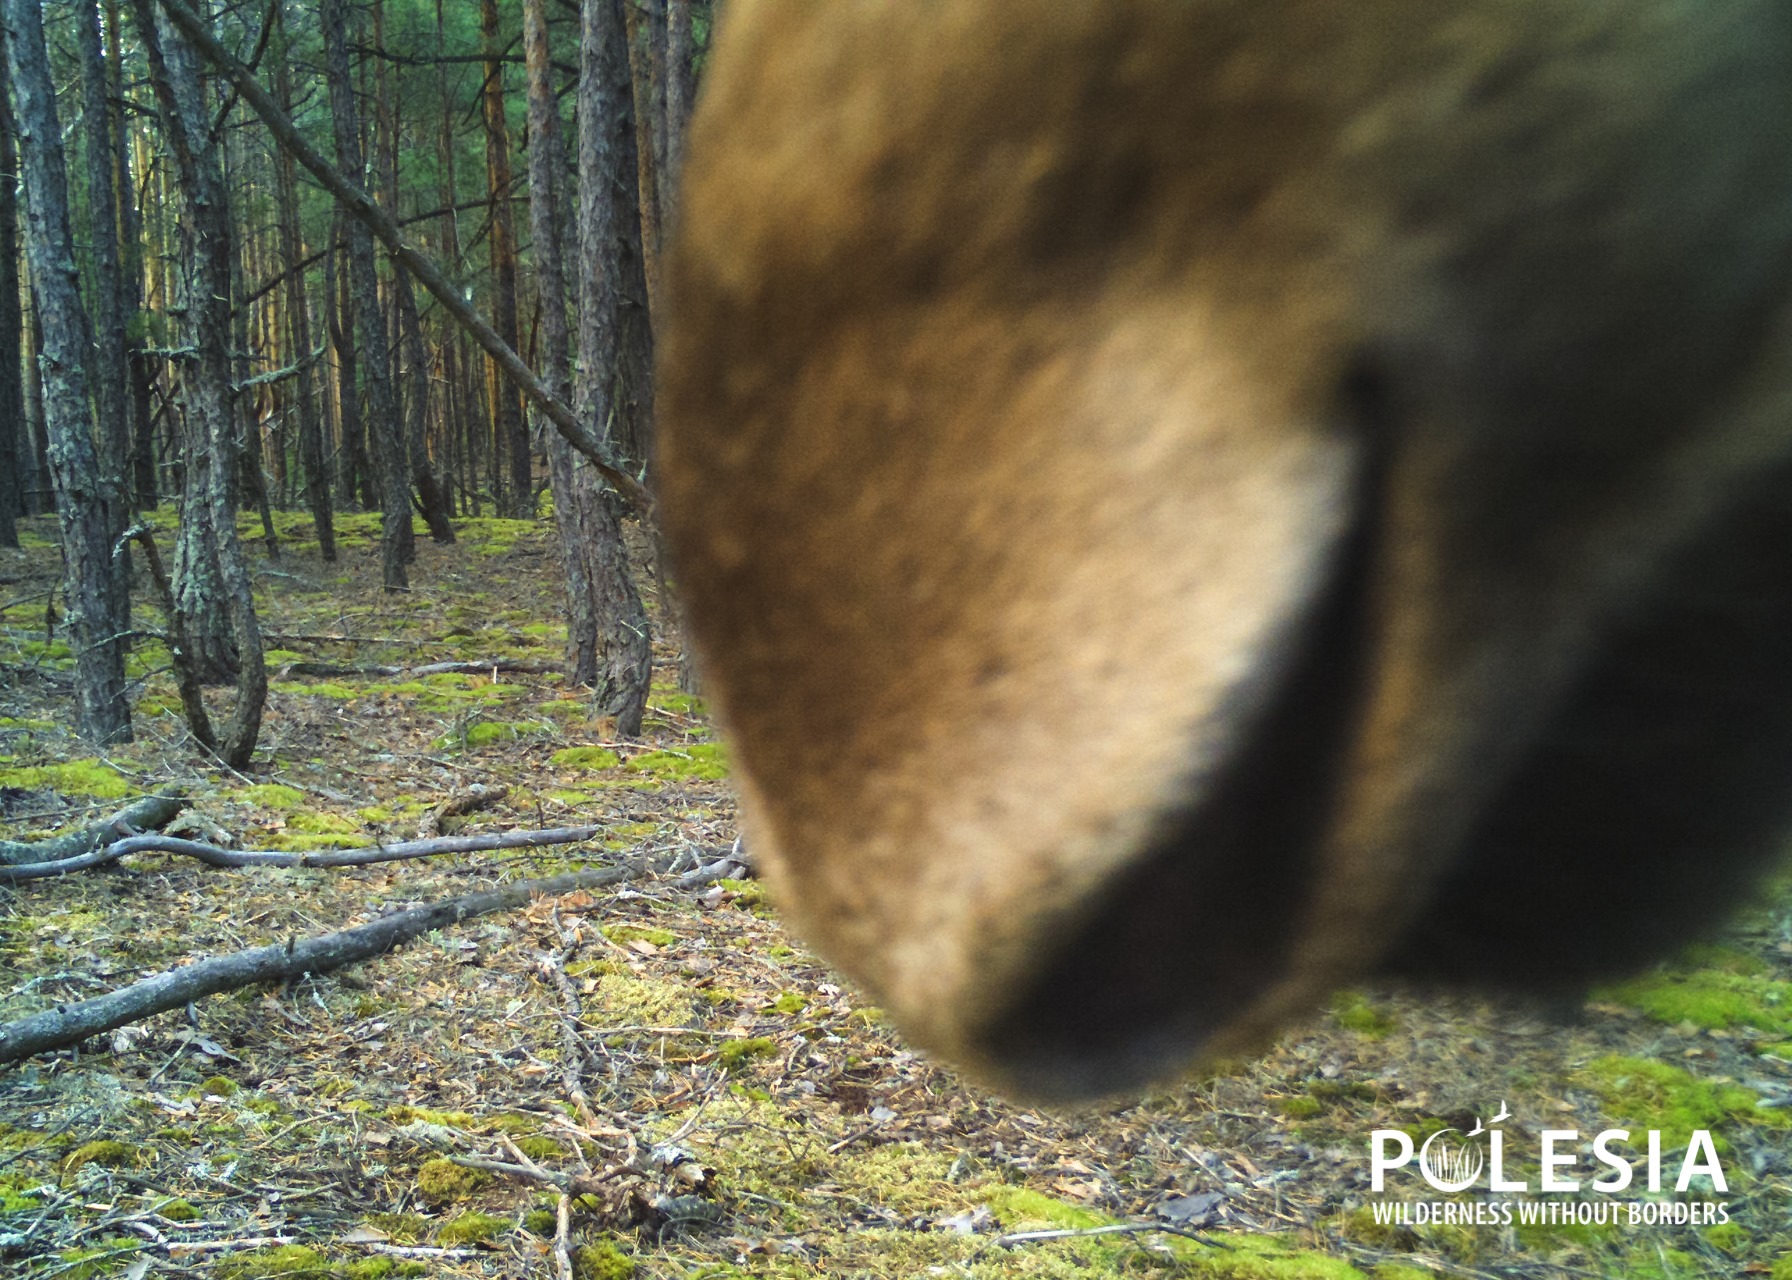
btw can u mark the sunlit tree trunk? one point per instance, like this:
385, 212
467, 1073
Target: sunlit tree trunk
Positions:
84, 500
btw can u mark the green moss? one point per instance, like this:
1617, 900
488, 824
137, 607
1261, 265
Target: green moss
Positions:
98, 1259
1300, 1108
539, 1148
287, 1261
375, 1268
735, 1054
400, 1228
23, 724
1660, 1096
1354, 1012
1021, 1208
1782, 1050
573, 799
747, 893
628, 998
791, 1002
323, 824
471, 1227
626, 933
222, 1086
592, 758
178, 1211
86, 777
602, 1260
1782, 1268
272, 795
446, 1119
1714, 999
441, 1180
1731, 1237
542, 1222
377, 814
305, 842
678, 704
707, 761
280, 657
101, 1151
323, 689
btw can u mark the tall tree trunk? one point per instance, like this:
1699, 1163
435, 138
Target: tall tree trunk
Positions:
84, 500
622, 657
642, 42
507, 404
354, 485
430, 495
680, 88
15, 446
382, 418
298, 314
142, 477
108, 363
174, 73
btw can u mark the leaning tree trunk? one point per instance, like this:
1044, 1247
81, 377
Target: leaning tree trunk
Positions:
396, 546
623, 657
211, 465
84, 501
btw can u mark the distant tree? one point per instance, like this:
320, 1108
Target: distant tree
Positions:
84, 500
298, 310
508, 405
370, 327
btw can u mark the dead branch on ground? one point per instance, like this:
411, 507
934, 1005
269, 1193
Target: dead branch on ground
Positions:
149, 813
216, 856
72, 1023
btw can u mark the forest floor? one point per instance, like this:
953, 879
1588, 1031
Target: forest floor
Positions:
753, 1114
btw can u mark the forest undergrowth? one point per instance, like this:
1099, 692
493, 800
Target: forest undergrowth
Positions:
744, 1112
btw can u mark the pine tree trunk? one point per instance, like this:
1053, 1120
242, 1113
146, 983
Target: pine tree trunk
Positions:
142, 477
14, 444
110, 383
431, 497
298, 315
507, 403
370, 329
622, 658
84, 500
212, 461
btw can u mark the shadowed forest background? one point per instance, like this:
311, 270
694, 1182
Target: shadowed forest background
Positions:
331, 603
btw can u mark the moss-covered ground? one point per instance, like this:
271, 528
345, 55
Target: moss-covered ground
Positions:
751, 1113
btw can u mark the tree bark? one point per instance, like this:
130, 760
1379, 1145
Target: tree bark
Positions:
641, 47
174, 73
431, 497
622, 658
142, 477
14, 444
83, 498
363, 274
507, 406
298, 315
